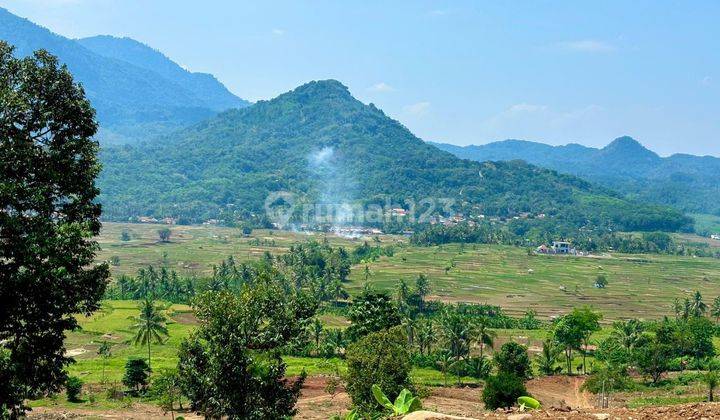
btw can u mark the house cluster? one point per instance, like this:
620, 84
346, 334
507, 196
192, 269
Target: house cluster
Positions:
354, 231
715, 237
166, 220
557, 248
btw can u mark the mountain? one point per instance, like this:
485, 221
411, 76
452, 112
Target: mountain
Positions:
322, 144
134, 100
202, 85
689, 183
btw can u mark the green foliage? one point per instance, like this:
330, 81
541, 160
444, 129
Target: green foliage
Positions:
513, 359
73, 388
371, 312
165, 388
229, 170
503, 390
164, 234
49, 217
137, 373
405, 402
230, 365
380, 359
609, 379
150, 325
652, 358
548, 359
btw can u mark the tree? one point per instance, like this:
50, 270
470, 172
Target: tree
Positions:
652, 358
164, 234
573, 331
166, 390
711, 380
567, 333
457, 333
104, 352
547, 360
697, 306
513, 358
371, 312
316, 331
601, 282
503, 390
380, 359
485, 336
627, 333
230, 366
73, 388
425, 336
478, 367
137, 372
715, 309
47, 219
125, 235
422, 289
149, 326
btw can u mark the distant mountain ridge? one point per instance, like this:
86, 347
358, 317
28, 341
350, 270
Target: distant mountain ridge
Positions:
320, 143
137, 91
689, 183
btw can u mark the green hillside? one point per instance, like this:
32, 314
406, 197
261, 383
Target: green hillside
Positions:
322, 144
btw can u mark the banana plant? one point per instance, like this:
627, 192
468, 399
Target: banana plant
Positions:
405, 402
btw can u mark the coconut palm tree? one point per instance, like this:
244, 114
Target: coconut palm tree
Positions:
627, 333
548, 359
698, 307
150, 325
715, 309
485, 336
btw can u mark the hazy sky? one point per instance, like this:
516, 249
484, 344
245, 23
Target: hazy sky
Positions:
456, 72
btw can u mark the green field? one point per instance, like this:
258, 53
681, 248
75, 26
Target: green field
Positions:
641, 286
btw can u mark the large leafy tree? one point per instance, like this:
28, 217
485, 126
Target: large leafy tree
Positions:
48, 217
230, 367
371, 312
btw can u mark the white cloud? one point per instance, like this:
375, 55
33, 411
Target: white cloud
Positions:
278, 32
417, 109
381, 87
587, 45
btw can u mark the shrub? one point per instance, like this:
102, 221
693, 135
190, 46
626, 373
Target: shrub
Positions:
379, 358
136, 375
513, 358
502, 390
73, 387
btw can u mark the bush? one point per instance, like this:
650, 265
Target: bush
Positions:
513, 358
379, 358
73, 387
136, 376
502, 390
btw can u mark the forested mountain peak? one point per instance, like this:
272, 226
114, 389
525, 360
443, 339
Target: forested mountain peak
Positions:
320, 143
627, 148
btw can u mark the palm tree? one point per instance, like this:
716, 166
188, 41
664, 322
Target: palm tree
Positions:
485, 336
425, 335
627, 333
149, 325
444, 363
548, 359
316, 330
698, 307
457, 332
422, 289
715, 309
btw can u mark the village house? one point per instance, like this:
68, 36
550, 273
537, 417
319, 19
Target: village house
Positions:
716, 237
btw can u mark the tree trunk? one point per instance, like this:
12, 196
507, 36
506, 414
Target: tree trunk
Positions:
149, 367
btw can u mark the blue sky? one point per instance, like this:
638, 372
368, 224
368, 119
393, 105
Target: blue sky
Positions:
457, 72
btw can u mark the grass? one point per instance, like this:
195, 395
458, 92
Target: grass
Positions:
706, 223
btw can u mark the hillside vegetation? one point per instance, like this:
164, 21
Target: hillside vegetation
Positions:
229, 164
137, 92
689, 183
